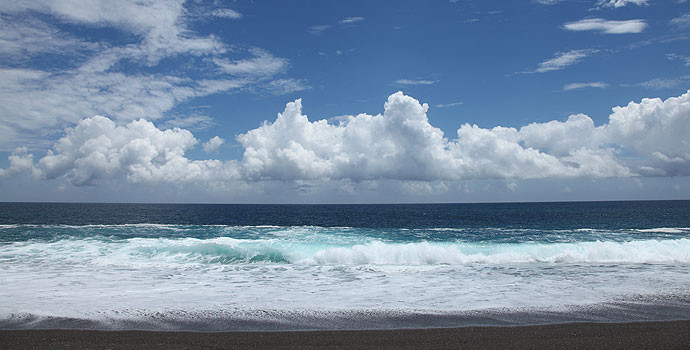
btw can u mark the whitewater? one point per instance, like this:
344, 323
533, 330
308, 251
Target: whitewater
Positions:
266, 276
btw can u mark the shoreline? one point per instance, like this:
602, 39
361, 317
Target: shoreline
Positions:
633, 335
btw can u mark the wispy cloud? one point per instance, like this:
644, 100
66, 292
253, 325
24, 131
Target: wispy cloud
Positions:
618, 3
577, 86
677, 57
94, 81
681, 22
444, 105
607, 27
562, 60
29, 37
261, 64
286, 86
665, 39
663, 83
226, 13
316, 30
194, 122
415, 82
349, 20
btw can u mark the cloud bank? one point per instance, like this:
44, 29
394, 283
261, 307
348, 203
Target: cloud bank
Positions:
647, 138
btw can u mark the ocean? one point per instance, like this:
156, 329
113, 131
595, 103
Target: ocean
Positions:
291, 267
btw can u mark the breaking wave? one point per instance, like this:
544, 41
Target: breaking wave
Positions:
224, 250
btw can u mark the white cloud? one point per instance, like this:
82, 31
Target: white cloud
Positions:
577, 86
20, 162
682, 21
28, 37
401, 144
562, 60
261, 64
316, 30
444, 105
677, 57
159, 24
97, 150
93, 81
607, 27
645, 138
66, 97
548, 2
350, 20
285, 86
212, 145
664, 83
415, 82
192, 122
655, 130
227, 13
619, 3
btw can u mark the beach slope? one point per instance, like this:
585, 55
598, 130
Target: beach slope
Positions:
639, 335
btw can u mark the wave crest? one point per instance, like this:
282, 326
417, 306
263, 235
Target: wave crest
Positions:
142, 251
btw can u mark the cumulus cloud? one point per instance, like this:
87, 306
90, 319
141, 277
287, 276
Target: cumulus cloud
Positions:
401, 144
98, 150
213, 144
643, 138
655, 130
21, 161
607, 27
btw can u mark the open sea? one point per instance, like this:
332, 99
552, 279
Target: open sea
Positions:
286, 267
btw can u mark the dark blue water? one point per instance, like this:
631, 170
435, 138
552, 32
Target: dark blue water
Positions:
560, 215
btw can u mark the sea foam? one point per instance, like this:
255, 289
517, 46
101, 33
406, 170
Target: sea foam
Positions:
225, 250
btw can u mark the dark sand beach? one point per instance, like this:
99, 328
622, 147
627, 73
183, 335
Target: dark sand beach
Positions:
640, 335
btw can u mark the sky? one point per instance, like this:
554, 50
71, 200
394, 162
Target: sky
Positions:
344, 101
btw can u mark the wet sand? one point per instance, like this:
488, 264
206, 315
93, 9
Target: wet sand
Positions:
639, 335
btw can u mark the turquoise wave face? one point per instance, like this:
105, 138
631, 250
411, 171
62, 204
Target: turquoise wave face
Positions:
334, 235
180, 252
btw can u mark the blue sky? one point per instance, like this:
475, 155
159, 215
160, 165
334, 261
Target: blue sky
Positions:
501, 101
